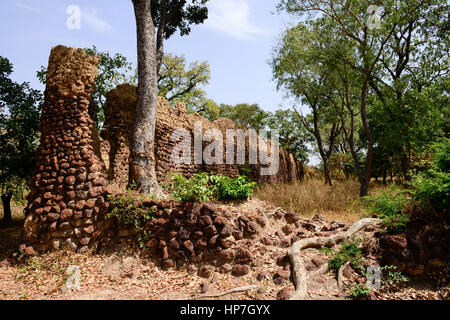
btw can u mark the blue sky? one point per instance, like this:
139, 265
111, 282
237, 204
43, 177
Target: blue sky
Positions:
236, 40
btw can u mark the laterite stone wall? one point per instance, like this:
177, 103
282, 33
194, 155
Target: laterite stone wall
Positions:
74, 166
68, 187
116, 139
181, 233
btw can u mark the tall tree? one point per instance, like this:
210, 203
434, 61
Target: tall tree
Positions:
352, 21
19, 135
301, 69
415, 58
156, 20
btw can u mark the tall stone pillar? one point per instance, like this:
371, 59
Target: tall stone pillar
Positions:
67, 199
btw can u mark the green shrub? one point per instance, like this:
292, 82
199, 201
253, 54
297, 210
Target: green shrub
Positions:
441, 156
126, 212
432, 188
195, 188
237, 188
349, 250
244, 171
387, 203
202, 187
395, 224
389, 206
392, 276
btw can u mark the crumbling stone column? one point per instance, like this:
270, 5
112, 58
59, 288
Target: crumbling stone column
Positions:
120, 112
68, 188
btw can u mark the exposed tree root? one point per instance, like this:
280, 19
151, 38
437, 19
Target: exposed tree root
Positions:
276, 210
220, 294
299, 272
323, 269
340, 276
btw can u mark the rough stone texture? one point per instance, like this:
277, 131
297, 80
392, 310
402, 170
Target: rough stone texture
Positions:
116, 137
240, 270
119, 117
67, 186
417, 253
74, 166
180, 233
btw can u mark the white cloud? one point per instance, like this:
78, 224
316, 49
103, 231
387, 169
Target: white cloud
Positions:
232, 17
24, 6
97, 24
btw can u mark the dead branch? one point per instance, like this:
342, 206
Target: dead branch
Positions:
299, 272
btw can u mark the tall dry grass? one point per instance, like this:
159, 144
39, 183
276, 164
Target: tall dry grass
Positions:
311, 196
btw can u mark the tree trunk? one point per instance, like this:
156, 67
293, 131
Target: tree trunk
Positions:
364, 188
404, 161
6, 202
142, 166
327, 173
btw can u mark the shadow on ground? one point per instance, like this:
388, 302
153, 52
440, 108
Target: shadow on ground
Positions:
10, 237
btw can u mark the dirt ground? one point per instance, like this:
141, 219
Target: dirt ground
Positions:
121, 274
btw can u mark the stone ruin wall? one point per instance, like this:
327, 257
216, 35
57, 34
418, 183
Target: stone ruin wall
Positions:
73, 167
68, 187
116, 138
417, 252
179, 234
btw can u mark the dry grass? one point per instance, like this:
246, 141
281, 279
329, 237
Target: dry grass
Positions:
16, 211
312, 196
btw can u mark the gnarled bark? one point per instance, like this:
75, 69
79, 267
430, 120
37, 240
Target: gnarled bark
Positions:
142, 166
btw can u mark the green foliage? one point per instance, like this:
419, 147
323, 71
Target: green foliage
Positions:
202, 187
441, 156
112, 71
229, 188
392, 276
387, 203
389, 206
304, 67
195, 188
195, 12
395, 223
126, 212
349, 251
207, 108
293, 135
388, 85
17, 187
244, 115
432, 187
359, 291
179, 82
19, 131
